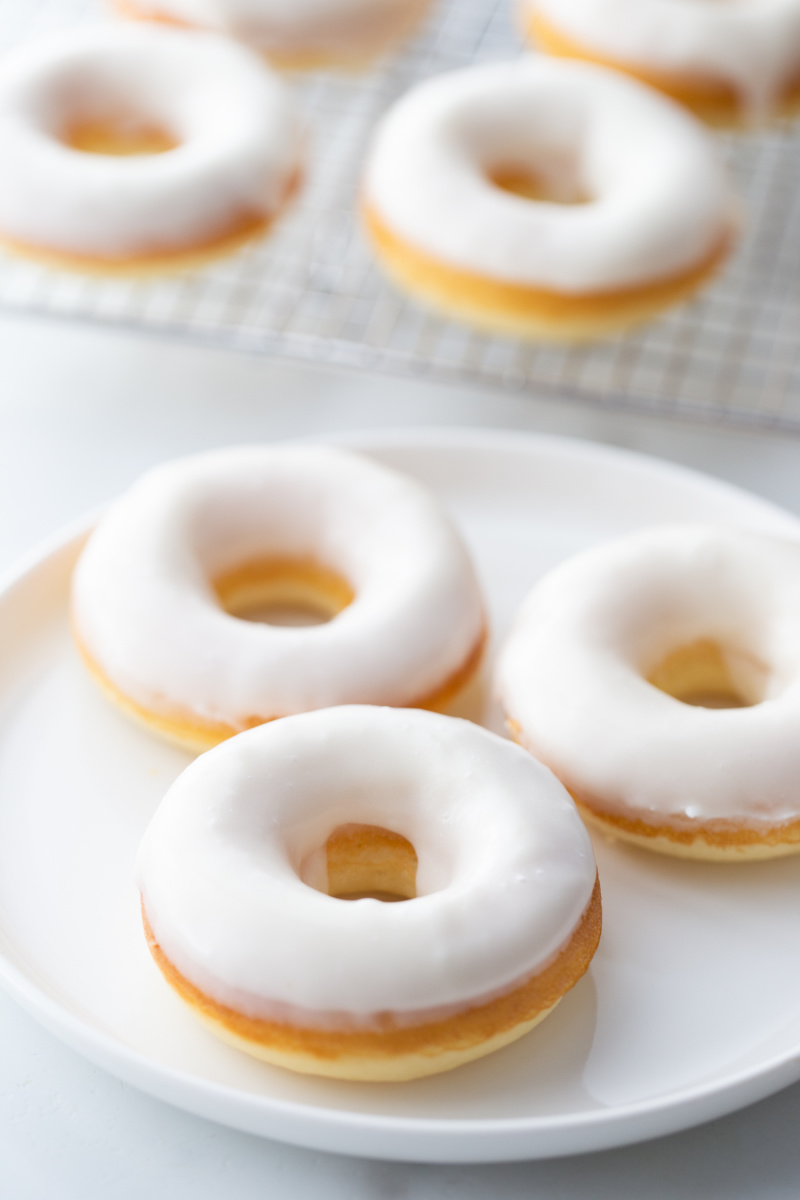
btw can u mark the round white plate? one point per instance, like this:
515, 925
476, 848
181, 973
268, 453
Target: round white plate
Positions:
692, 1004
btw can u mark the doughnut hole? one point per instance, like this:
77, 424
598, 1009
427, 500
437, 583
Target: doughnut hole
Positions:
119, 139
283, 592
708, 675
553, 182
369, 862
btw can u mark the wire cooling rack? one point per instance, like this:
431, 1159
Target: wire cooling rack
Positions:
311, 290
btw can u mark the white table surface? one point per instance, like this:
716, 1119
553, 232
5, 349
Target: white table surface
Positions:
82, 413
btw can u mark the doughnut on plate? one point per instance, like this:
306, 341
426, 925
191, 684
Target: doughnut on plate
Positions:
690, 1009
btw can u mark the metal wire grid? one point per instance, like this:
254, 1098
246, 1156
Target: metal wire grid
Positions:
311, 290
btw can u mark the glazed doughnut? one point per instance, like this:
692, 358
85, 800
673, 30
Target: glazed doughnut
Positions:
545, 198
137, 147
158, 587
244, 869
659, 677
731, 63
308, 34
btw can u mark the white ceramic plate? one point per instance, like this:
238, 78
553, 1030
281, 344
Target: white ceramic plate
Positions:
691, 1007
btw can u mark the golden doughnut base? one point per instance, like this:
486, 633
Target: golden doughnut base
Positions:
293, 581
300, 582
368, 861
397, 1053
509, 308
189, 733
100, 137
709, 675
711, 841
714, 101
246, 229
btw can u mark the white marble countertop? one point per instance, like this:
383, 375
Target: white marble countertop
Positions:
82, 413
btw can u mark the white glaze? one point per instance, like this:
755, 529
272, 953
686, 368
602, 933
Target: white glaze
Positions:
144, 607
753, 45
660, 204
573, 671
345, 29
505, 867
239, 143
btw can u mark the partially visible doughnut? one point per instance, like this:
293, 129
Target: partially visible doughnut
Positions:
134, 148
245, 868
659, 677
159, 591
545, 198
306, 34
731, 63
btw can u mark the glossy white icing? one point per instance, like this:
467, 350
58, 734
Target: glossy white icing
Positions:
505, 867
346, 29
239, 141
753, 45
572, 675
145, 609
659, 205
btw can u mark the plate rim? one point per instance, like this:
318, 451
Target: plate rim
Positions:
409, 1138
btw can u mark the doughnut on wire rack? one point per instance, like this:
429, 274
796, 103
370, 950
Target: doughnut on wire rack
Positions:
311, 290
